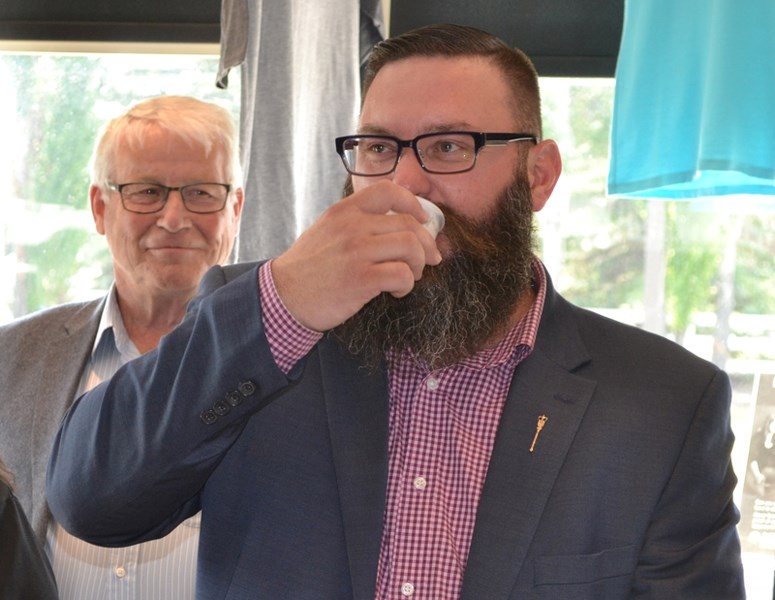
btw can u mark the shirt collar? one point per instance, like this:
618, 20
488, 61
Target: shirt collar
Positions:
518, 343
111, 319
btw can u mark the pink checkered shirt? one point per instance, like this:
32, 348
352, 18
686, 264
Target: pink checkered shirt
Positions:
441, 434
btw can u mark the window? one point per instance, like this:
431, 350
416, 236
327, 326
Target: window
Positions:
696, 272
58, 101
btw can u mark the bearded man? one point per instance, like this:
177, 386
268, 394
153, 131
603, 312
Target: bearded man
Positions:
386, 414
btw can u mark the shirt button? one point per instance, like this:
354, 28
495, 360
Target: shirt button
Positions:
407, 589
120, 572
432, 384
420, 483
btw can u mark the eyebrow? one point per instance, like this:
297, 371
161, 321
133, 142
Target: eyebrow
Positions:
440, 128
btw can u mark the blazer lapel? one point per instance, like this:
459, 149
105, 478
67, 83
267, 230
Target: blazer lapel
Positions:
519, 482
66, 356
357, 405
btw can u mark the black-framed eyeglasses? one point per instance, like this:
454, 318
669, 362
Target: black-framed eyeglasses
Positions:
444, 152
145, 198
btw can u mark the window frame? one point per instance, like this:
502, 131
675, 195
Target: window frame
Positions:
193, 21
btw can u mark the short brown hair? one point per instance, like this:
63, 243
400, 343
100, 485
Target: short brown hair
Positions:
449, 40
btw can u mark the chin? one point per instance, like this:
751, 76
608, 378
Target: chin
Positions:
180, 275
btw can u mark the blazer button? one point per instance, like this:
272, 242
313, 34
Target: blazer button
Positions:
208, 416
221, 408
234, 398
247, 388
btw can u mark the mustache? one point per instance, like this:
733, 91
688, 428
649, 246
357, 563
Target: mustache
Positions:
465, 236
462, 234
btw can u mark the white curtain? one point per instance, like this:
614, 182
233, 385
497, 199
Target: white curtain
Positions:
300, 83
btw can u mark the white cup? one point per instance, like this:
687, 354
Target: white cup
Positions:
436, 221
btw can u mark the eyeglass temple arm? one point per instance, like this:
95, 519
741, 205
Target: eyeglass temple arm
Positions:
502, 141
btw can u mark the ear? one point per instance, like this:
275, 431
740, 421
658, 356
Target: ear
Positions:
239, 200
544, 166
97, 202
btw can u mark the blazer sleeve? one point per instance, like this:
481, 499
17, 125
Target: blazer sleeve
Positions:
133, 454
692, 549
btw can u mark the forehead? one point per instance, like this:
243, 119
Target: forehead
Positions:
159, 153
140, 138
421, 94
155, 144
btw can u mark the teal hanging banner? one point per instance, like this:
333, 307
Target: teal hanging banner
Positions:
694, 103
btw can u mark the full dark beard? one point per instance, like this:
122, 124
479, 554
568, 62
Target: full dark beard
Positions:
459, 305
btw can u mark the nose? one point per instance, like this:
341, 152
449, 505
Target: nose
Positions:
410, 174
174, 216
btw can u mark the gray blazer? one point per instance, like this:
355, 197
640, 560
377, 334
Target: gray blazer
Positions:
42, 358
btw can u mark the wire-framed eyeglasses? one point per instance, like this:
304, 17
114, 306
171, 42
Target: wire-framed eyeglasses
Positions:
145, 198
445, 152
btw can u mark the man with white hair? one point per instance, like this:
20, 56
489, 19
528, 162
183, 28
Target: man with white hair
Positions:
166, 192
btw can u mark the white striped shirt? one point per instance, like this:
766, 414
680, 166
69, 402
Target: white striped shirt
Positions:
163, 569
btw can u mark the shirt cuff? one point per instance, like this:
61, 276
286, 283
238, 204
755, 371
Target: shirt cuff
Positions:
289, 340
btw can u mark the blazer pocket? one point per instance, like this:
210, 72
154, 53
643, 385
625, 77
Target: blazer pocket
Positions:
584, 568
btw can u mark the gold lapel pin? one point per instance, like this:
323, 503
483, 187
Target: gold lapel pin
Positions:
539, 426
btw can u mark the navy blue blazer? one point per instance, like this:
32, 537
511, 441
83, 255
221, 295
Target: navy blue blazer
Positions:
627, 494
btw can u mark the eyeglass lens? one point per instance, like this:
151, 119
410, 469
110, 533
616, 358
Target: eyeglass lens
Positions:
198, 198
440, 153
